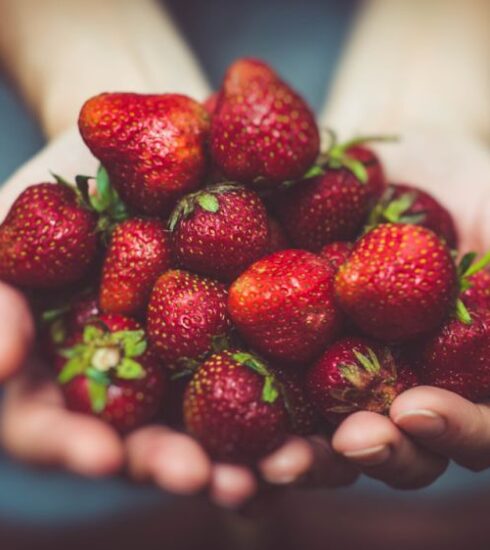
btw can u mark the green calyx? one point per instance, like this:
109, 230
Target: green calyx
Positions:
270, 389
207, 199
466, 268
102, 356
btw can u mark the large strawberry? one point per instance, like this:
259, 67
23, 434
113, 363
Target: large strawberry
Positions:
139, 251
320, 210
186, 317
48, 238
284, 305
106, 370
399, 282
262, 132
153, 146
234, 407
357, 374
408, 204
220, 230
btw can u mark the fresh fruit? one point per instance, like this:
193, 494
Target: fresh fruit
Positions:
357, 374
153, 146
234, 407
409, 204
320, 210
284, 305
220, 230
48, 238
186, 317
107, 371
277, 237
262, 132
399, 282
139, 251
456, 356
477, 296
375, 177
211, 102
336, 253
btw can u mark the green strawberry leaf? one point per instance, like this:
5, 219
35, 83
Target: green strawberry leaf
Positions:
98, 395
128, 369
60, 180
57, 331
252, 362
356, 167
478, 266
53, 314
269, 391
465, 263
72, 368
352, 374
399, 206
133, 341
462, 313
371, 363
313, 172
91, 333
97, 376
208, 202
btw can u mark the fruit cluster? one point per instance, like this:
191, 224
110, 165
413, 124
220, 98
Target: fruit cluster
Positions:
228, 271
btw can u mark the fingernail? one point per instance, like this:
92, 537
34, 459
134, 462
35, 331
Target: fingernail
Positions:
421, 423
372, 456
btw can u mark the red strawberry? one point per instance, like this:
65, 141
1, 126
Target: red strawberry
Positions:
284, 305
356, 374
107, 371
153, 146
477, 296
186, 316
409, 204
234, 407
139, 251
375, 177
336, 253
262, 132
277, 237
211, 102
456, 356
220, 230
399, 282
48, 238
323, 209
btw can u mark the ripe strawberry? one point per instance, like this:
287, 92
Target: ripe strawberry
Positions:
107, 371
399, 282
356, 374
139, 251
153, 146
48, 238
456, 356
477, 296
409, 204
277, 237
220, 230
262, 132
211, 102
234, 407
336, 253
186, 316
320, 210
284, 306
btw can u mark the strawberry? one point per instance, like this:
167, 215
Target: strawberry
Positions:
336, 253
284, 306
153, 146
139, 251
375, 177
320, 210
399, 282
477, 296
220, 230
408, 204
48, 238
107, 371
456, 356
262, 132
277, 237
357, 374
211, 102
186, 317
233, 406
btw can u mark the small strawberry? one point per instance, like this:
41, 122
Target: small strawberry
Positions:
262, 132
48, 238
277, 237
107, 371
409, 204
284, 306
220, 230
139, 251
153, 146
233, 406
186, 316
477, 296
399, 282
320, 210
357, 374
336, 253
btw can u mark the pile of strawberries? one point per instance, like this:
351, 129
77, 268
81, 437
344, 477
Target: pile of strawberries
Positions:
227, 273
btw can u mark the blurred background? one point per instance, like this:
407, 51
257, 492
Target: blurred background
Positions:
49, 509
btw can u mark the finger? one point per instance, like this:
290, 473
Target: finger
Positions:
288, 463
232, 485
174, 461
16, 330
36, 428
382, 451
445, 423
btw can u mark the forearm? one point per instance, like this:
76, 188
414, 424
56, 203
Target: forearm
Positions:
59, 54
